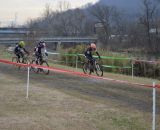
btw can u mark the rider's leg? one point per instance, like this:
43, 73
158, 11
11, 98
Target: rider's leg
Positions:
22, 56
93, 61
92, 64
37, 57
90, 60
40, 58
18, 56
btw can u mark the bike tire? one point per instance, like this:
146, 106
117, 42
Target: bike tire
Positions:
15, 60
45, 71
99, 69
86, 68
25, 61
34, 69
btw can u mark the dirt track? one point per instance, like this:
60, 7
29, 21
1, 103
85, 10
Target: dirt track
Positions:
132, 96
124, 96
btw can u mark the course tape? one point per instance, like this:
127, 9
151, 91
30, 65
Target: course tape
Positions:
13, 63
74, 73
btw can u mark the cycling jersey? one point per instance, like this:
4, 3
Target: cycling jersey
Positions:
38, 50
88, 53
19, 51
39, 47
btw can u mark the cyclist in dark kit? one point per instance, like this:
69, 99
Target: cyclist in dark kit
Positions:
38, 50
88, 53
20, 50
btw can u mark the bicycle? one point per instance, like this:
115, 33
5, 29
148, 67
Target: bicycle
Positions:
89, 68
40, 61
24, 60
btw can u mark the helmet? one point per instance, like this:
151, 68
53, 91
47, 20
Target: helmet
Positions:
93, 45
42, 43
21, 44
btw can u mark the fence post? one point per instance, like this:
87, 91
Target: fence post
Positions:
28, 67
76, 61
132, 69
154, 108
66, 57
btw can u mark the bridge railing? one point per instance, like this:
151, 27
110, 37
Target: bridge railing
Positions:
50, 39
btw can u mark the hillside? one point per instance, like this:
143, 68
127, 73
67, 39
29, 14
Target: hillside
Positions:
131, 6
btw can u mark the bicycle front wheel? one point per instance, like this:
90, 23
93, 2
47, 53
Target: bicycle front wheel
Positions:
45, 70
16, 60
34, 68
86, 68
99, 69
25, 61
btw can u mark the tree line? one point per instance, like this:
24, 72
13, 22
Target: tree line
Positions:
113, 28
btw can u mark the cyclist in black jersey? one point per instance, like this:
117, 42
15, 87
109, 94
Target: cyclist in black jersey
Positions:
20, 50
38, 50
88, 53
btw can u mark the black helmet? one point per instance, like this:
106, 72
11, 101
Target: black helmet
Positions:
41, 41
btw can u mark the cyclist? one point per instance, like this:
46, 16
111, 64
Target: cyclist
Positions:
88, 53
20, 50
38, 50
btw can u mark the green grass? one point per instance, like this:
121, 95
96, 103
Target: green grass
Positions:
116, 76
142, 80
129, 123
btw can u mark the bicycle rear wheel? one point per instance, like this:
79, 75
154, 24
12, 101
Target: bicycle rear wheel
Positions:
16, 60
25, 61
86, 68
98, 69
34, 69
45, 70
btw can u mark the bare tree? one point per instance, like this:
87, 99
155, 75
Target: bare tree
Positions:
72, 23
147, 19
63, 21
110, 21
47, 10
103, 14
63, 6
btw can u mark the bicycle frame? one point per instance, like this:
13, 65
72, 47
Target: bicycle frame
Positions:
41, 59
93, 66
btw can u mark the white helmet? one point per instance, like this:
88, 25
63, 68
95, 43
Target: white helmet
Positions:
93, 46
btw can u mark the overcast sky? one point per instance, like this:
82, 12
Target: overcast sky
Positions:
27, 9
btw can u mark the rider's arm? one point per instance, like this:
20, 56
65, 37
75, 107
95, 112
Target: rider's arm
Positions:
98, 54
25, 51
35, 49
45, 51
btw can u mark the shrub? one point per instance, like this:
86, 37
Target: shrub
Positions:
113, 59
79, 49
